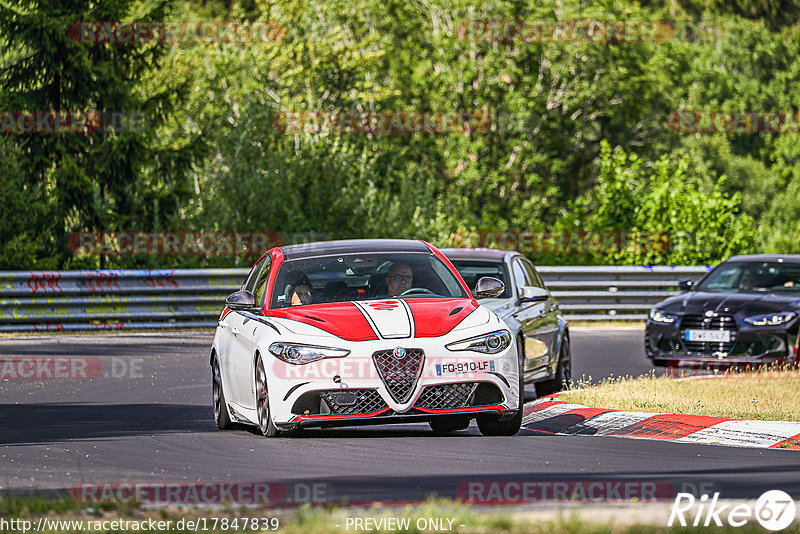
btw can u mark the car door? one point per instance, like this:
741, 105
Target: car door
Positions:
534, 324
548, 320
238, 353
244, 363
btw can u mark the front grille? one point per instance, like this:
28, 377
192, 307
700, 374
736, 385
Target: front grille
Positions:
352, 401
715, 322
399, 375
446, 396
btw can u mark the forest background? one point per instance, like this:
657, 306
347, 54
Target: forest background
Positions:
564, 136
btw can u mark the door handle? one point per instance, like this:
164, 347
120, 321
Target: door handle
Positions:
223, 324
235, 331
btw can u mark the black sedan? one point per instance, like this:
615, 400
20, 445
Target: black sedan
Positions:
745, 312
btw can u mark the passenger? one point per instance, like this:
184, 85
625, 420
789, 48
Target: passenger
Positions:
300, 289
400, 278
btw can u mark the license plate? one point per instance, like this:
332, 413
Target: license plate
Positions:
716, 336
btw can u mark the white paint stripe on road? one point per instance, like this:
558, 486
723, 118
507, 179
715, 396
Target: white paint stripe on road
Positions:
541, 400
745, 433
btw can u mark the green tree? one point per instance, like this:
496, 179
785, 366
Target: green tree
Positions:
703, 224
120, 178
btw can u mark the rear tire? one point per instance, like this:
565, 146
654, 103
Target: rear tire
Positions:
221, 416
563, 373
449, 424
265, 424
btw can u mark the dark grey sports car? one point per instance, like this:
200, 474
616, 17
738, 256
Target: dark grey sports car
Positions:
743, 312
527, 307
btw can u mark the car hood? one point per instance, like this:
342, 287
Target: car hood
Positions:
387, 318
745, 304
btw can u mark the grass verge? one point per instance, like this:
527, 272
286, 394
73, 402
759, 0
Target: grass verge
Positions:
769, 395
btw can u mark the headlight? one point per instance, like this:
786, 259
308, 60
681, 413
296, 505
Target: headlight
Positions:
491, 343
297, 354
770, 319
662, 317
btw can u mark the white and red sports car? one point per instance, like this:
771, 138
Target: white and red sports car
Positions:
363, 332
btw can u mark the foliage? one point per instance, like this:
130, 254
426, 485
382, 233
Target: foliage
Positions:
570, 135
684, 219
114, 178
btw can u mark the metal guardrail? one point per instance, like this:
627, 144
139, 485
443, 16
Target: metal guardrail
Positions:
114, 299
193, 298
614, 293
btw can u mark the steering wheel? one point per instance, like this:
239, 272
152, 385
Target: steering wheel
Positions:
414, 290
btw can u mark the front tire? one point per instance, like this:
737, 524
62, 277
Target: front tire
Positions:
221, 416
449, 424
265, 424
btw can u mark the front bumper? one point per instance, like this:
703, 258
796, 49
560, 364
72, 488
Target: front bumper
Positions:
356, 406
665, 345
392, 418
357, 390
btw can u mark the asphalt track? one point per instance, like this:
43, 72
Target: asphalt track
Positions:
149, 420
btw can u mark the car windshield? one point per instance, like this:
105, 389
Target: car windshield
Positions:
348, 277
472, 271
753, 276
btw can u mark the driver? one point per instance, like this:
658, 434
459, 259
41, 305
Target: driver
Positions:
400, 278
299, 289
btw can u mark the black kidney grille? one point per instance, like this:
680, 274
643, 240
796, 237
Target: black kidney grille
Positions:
715, 322
446, 396
399, 375
353, 401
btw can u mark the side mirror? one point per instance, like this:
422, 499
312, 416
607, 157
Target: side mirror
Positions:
241, 300
487, 287
533, 294
685, 285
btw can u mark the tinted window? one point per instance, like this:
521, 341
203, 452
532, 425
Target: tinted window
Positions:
533, 275
520, 275
348, 277
253, 276
260, 288
472, 271
753, 276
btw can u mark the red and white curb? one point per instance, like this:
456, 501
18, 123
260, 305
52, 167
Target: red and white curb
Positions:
552, 416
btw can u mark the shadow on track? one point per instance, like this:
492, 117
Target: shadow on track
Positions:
45, 423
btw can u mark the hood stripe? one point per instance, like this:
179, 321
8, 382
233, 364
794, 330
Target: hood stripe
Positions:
389, 318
